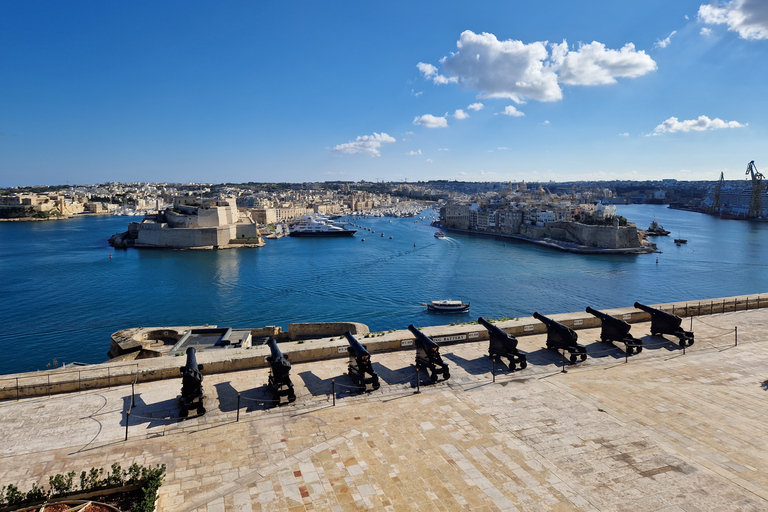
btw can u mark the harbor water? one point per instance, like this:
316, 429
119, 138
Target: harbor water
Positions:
65, 290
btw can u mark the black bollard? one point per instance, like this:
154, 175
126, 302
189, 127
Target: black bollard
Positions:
127, 418
238, 406
333, 390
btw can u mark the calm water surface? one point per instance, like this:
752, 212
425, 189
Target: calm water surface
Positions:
62, 296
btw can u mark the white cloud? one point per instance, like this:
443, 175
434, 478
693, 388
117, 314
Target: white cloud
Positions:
431, 121
706, 31
518, 71
475, 106
747, 17
443, 149
413, 153
625, 134
545, 122
503, 148
430, 72
365, 145
593, 64
509, 110
429, 160
417, 94
502, 69
460, 114
663, 43
701, 124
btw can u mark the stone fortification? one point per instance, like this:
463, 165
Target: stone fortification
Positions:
217, 361
612, 237
306, 331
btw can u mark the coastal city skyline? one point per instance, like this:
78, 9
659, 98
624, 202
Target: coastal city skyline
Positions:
272, 92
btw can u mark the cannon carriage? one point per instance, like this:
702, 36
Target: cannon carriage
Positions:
191, 385
562, 337
428, 355
616, 329
279, 375
667, 323
502, 344
360, 364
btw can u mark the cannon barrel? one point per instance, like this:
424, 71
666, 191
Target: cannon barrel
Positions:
667, 323
599, 314
280, 365
360, 363
503, 344
659, 313
358, 350
274, 349
562, 337
616, 329
428, 355
498, 333
425, 340
191, 384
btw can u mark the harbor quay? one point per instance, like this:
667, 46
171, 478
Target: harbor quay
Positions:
671, 428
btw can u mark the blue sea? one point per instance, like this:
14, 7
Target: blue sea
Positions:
63, 296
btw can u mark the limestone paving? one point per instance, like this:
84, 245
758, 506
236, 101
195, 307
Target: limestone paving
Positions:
664, 431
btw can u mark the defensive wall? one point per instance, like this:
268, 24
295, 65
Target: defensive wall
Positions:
613, 237
109, 374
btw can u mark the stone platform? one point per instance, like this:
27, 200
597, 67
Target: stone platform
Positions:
664, 431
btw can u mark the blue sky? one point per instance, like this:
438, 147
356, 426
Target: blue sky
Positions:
236, 91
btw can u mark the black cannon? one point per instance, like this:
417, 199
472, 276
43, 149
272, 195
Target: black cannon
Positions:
503, 344
280, 374
667, 323
428, 355
191, 385
616, 329
360, 363
561, 337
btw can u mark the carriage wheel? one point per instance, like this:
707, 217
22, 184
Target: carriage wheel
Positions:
200, 410
584, 356
574, 357
446, 374
523, 364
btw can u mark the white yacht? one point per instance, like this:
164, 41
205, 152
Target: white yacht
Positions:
310, 226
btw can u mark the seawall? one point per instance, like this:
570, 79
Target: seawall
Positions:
109, 374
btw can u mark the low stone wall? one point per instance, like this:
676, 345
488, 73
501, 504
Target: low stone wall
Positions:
226, 360
306, 331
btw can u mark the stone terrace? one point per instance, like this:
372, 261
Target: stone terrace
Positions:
664, 431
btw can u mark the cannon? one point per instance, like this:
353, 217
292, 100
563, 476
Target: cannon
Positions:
279, 375
561, 337
667, 323
503, 344
360, 364
615, 329
428, 355
191, 385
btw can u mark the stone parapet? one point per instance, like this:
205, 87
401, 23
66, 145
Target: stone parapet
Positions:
116, 373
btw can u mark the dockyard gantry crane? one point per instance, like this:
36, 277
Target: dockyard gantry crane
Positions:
756, 202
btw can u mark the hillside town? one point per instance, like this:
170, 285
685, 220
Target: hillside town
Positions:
227, 215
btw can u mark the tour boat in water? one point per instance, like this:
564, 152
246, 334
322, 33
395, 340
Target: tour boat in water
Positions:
447, 306
439, 234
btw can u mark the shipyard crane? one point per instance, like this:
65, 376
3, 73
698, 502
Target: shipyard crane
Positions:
716, 201
756, 202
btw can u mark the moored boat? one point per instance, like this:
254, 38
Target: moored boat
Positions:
311, 227
447, 306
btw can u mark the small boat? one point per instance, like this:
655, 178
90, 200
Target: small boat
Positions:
679, 241
439, 234
656, 229
447, 306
